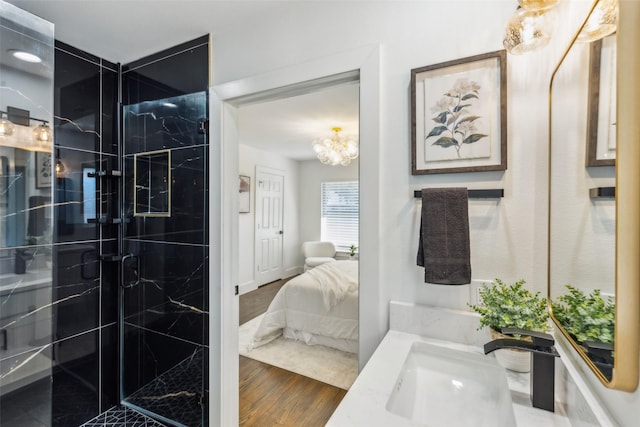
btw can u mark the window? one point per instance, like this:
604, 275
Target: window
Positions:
339, 217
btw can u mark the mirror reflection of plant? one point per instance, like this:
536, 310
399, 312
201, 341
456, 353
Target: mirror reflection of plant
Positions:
352, 250
454, 126
512, 306
586, 317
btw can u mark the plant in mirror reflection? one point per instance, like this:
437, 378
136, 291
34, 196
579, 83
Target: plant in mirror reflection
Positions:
585, 317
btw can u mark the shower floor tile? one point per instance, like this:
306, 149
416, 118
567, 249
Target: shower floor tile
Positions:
120, 416
177, 393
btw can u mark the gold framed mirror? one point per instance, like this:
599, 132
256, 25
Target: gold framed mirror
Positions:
594, 206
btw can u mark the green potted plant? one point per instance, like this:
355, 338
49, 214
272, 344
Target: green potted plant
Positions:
511, 306
585, 317
352, 251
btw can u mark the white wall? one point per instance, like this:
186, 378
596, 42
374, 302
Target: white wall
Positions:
509, 236
312, 173
291, 265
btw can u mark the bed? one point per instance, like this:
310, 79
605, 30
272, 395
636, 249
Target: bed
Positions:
319, 306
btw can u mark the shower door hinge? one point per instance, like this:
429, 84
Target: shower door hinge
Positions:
236, 290
203, 127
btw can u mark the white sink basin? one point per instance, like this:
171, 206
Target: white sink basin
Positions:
443, 387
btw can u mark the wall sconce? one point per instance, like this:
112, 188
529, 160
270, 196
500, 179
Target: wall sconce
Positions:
531, 27
59, 166
41, 136
602, 21
42, 133
6, 127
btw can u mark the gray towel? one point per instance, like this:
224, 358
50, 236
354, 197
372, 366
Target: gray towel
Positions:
443, 248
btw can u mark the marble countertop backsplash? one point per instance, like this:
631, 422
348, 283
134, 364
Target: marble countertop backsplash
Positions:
365, 402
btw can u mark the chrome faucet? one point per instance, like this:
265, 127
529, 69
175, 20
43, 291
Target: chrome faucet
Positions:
542, 363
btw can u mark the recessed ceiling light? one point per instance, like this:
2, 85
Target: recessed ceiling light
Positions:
169, 105
25, 56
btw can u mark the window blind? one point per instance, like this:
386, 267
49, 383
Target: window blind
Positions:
340, 207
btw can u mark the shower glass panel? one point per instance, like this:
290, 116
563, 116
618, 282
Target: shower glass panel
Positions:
164, 339
26, 296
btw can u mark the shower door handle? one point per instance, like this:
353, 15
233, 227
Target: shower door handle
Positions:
124, 282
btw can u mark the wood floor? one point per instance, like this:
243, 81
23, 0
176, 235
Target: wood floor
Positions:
270, 396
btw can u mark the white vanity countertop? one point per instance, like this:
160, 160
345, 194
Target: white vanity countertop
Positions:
364, 404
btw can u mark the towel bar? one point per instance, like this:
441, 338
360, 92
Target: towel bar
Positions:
474, 194
602, 192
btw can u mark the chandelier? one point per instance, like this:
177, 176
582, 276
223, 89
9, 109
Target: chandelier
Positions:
336, 149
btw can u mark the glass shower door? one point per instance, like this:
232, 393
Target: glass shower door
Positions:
164, 292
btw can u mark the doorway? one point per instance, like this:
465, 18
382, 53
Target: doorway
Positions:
225, 100
268, 225
287, 149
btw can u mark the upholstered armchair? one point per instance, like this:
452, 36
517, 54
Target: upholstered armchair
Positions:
316, 253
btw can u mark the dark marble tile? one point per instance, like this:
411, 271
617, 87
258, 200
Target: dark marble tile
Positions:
109, 366
76, 291
110, 65
175, 393
77, 106
109, 188
176, 71
169, 297
28, 406
76, 196
166, 123
146, 356
109, 283
109, 111
189, 201
68, 49
75, 380
120, 416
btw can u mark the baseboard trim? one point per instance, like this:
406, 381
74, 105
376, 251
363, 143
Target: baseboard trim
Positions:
292, 271
247, 287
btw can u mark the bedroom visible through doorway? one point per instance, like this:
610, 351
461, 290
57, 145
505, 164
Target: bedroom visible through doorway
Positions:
277, 134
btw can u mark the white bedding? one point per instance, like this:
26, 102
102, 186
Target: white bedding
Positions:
317, 307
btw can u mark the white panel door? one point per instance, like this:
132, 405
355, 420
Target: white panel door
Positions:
269, 231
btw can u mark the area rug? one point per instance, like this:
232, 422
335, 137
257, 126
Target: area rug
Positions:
331, 366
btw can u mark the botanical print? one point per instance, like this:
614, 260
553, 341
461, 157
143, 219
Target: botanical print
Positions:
43, 170
459, 115
457, 123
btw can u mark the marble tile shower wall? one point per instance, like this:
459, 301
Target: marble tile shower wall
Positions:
165, 108
85, 329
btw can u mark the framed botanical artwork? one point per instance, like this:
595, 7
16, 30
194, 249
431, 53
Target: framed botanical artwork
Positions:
245, 194
459, 115
601, 122
43, 170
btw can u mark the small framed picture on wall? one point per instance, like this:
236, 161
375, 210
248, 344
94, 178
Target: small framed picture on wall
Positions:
244, 198
43, 170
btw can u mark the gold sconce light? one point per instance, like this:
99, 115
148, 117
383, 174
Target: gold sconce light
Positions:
531, 27
602, 21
